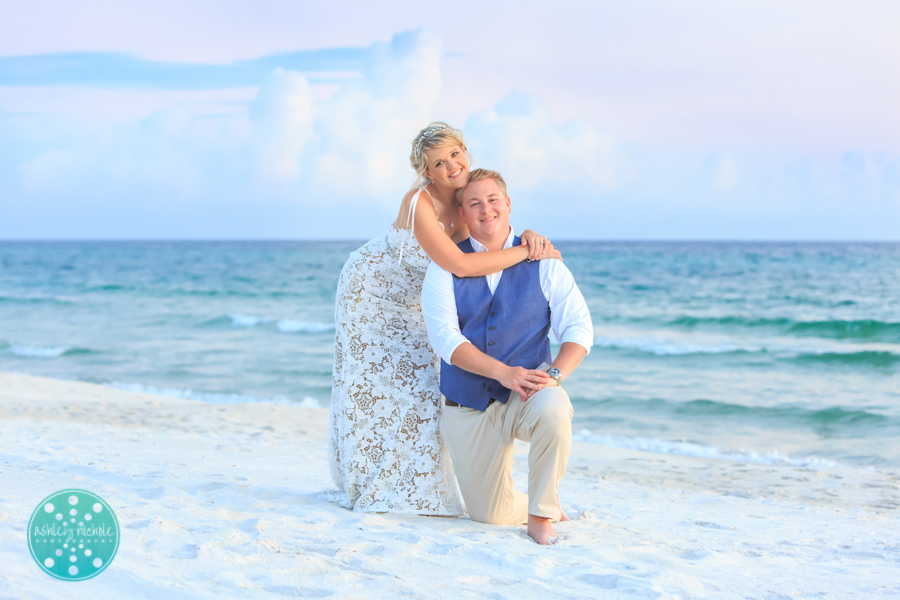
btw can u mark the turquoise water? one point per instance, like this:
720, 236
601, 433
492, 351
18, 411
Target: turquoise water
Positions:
771, 352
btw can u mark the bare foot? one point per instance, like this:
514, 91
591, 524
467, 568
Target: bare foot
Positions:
540, 531
562, 514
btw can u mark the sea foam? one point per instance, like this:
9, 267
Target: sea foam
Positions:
881, 355
211, 397
239, 320
288, 326
39, 351
662, 347
852, 329
698, 450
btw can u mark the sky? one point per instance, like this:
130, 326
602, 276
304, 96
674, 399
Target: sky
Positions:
695, 120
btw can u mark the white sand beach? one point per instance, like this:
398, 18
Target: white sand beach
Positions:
229, 501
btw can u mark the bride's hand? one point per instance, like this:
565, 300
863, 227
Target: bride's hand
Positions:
551, 252
536, 243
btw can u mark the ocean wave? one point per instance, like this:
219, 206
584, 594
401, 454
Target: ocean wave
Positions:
863, 419
698, 450
864, 329
289, 326
232, 293
47, 351
282, 325
875, 331
34, 300
831, 416
110, 287
852, 356
239, 320
662, 347
211, 397
870, 358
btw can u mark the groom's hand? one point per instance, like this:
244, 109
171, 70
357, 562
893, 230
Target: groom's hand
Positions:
524, 381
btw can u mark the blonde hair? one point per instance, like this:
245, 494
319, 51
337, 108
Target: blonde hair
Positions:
480, 175
435, 135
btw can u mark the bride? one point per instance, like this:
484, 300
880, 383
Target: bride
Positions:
386, 452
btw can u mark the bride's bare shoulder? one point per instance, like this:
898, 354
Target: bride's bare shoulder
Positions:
403, 215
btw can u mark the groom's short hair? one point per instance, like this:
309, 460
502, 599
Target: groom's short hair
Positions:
480, 175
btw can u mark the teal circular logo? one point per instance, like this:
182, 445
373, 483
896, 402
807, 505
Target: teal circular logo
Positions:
73, 535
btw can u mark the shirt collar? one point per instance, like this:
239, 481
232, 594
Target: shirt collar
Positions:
479, 247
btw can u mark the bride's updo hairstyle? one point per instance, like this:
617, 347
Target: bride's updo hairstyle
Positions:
434, 136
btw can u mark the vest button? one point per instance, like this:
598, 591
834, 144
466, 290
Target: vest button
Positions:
491, 328
490, 343
490, 389
492, 314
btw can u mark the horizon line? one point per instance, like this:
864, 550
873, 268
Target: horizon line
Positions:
290, 240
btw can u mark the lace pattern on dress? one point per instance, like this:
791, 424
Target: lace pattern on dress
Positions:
386, 451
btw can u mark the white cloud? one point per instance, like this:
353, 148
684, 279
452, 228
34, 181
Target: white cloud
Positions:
519, 138
366, 128
283, 114
195, 164
289, 142
104, 107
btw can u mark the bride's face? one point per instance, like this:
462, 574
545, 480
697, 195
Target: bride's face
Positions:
447, 166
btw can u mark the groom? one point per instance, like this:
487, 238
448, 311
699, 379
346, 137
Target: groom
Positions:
491, 334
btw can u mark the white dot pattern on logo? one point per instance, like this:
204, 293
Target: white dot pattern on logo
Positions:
92, 544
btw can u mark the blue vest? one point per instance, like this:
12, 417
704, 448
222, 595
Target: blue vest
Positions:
510, 325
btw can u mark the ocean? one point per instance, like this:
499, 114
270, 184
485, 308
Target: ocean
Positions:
778, 353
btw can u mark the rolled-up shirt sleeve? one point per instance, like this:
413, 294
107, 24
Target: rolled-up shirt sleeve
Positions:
439, 310
570, 318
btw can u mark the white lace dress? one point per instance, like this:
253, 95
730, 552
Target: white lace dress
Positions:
385, 444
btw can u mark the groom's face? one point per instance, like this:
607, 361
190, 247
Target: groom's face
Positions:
485, 209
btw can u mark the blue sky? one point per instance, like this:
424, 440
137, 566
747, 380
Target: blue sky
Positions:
610, 120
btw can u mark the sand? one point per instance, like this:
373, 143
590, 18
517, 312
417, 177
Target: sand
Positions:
230, 501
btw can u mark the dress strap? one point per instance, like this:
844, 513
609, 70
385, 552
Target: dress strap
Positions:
411, 222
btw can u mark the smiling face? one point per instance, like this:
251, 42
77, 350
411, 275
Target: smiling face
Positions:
485, 209
447, 166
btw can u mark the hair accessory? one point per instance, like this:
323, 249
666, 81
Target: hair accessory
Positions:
422, 137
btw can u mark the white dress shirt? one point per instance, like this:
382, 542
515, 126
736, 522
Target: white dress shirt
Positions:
570, 319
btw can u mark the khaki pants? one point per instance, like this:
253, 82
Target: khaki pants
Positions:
481, 446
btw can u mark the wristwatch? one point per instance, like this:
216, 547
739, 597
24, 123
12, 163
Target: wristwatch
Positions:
556, 374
